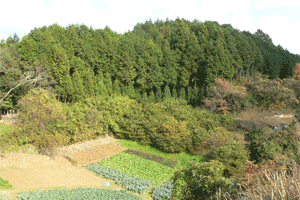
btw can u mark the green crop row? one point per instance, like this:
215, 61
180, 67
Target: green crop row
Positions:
79, 194
139, 167
164, 161
131, 183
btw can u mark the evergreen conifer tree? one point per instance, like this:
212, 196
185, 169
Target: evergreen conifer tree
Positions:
123, 89
167, 93
174, 92
145, 99
130, 91
196, 95
90, 83
190, 95
182, 93
78, 86
102, 89
138, 96
159, 95
151, 97
107, 82
116, 87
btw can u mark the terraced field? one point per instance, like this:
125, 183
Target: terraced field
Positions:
27, 170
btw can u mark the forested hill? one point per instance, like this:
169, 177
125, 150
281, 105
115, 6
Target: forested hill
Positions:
178, 54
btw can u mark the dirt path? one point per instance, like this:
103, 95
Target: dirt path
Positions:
30, 171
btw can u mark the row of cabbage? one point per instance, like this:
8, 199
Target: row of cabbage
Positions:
78, 194
131, 183
164, 191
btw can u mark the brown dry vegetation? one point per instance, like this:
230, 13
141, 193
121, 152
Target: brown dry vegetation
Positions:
268, 183
261, 117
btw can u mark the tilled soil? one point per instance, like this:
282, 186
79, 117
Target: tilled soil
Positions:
30, 171
95, 154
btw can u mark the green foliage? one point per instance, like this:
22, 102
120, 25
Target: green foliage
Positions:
272, 95
159, 95
145, 99
116, 87
108, 84
267, 145
130, 91
181, 53
4, 184
170, 134
79, 90
85, 121
209, 141
90, 83
167, 93
182, 94
200, 181
172, 123
151, 97
102, 91
40, 114
174, 92
233, 156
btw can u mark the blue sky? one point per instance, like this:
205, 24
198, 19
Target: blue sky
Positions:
280, 19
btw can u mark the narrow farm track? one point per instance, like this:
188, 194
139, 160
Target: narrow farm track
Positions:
30, 171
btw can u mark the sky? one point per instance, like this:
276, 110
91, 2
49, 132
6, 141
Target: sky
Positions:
280, 19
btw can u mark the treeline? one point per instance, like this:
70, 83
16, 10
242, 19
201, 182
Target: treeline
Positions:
151, 60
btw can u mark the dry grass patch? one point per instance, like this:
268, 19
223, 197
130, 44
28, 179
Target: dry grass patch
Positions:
260, 117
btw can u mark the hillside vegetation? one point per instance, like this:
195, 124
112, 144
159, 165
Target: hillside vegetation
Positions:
177, 86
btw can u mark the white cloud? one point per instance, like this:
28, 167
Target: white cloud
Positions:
281, 31
3, 36
123, 15
267, 3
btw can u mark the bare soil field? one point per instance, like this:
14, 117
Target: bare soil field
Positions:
27, 170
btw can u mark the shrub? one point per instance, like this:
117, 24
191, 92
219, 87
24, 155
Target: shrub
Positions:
176, 113
47, 144
233, 155
85, 121
98, 115
39, 112
272, 95
210, 140
224, 98
252, 171
274, 184
40, 115
200, 181
170, 135
266, 145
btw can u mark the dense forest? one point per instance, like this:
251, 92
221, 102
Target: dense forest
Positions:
180, 56
174, 85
